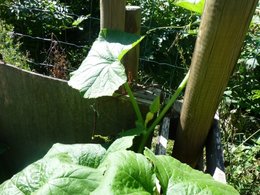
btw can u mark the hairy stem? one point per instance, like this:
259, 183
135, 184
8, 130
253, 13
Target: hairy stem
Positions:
148, 132
134, 103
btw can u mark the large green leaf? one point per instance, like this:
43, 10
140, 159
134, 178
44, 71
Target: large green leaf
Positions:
122, 143
90, 169
70, 179
192, 5
89, 155
127, 173
53, 176
178, 178
119, 144
65, 169
102, 72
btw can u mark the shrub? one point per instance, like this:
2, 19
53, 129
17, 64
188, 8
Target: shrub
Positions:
10, 49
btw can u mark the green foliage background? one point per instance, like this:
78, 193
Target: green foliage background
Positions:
170, 38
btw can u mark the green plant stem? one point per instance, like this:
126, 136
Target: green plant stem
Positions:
148, 132
172, 27
246, 140
134, 103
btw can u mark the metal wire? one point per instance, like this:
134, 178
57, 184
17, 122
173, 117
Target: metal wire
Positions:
46, 39
49, 65
162, 63
150, 30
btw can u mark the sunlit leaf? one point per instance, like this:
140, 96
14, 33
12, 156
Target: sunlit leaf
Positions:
79, 20
256, 94
62, 171
192, 5
178, 178
122, 143
102, 72
251, 63
127, 173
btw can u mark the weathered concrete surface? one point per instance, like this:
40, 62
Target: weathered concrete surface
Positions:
37, 111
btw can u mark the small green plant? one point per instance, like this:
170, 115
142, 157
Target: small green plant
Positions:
102, 73
39, 15
245, 166
92, 169
43, 18
9, 49
169, 41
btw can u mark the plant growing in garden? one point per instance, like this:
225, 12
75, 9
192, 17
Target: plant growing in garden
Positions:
102, 73
240, 115
92, 169
10, 50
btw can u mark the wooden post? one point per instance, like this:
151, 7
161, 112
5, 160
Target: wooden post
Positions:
222, 31
112, 14
132, 25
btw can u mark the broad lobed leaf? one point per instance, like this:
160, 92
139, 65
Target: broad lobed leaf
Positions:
127, 173
102, 72
178, 178
65, 169
122, 143
53, 176
89, 155
91, 169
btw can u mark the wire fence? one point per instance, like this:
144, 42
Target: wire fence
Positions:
144, 59
13, 34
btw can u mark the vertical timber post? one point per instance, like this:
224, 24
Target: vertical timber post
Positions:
221, 34
132, 25
112, 14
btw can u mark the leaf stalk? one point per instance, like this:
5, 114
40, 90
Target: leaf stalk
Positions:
148, 132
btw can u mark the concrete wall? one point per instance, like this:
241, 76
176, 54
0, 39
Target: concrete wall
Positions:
37, 111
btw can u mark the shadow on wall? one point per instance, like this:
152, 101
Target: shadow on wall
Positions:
38, 111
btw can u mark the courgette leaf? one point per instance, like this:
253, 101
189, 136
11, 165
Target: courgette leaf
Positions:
127, 173
102, 72
91, 169
66, 169
122, 143
57, 175
89, 155
178, 178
